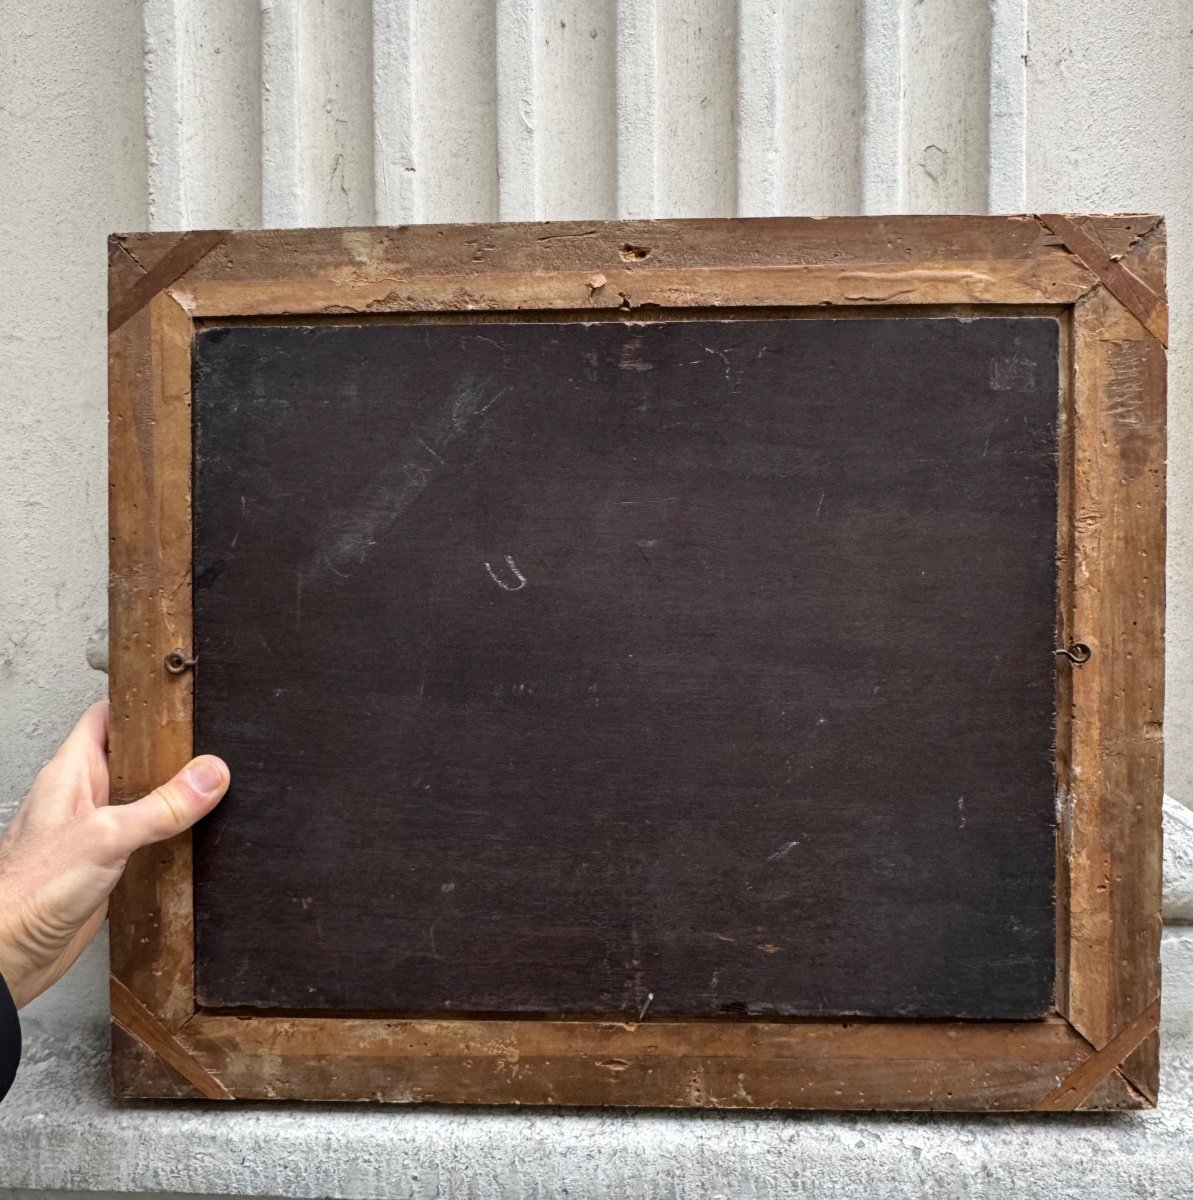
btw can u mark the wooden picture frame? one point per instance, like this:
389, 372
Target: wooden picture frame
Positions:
1101, 276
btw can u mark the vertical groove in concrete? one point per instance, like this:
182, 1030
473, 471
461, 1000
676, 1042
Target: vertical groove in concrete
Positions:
883, 172
437, 120
765, 78
203, 113
824, 109
316, 112
637, 107
800, 97
575, 129
696, 113
1007, 184
395, 134
517, 93
945, 105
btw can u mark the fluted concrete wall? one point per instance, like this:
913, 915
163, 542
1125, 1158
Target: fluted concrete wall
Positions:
193, 113
308, 112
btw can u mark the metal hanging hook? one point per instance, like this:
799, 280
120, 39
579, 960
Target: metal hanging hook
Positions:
1076, 652
178, 661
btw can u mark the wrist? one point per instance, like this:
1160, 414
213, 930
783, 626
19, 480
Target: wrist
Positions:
10, 1038
15, 967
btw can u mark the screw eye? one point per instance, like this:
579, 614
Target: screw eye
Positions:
176, 662
1077, 652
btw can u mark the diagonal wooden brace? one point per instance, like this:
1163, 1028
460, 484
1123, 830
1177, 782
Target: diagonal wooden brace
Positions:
1085, 1078
1148, 308
179, 259
138, 1022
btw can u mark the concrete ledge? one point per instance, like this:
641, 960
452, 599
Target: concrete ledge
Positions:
60, 1131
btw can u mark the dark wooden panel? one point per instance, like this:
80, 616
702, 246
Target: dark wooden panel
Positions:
563, 666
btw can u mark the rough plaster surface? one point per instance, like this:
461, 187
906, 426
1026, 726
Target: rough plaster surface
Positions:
72, 158
1178, 862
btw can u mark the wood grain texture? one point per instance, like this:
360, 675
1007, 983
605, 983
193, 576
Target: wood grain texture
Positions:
1065, 636
1141, 1068
1135, 294
302, 255
176, 261
635, 289
123, 271
1103, 1068
922, 1065
1113, 1094
150, 614
1114, 792
134, 1020
640, 264
634, 264
136, 1070
1108, 735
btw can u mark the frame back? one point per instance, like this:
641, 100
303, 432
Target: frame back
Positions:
670, 684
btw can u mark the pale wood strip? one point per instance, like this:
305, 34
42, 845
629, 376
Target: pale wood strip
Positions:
1114, 790
1145, 304
150, 614
1099, 1066
807, 1064
977, 282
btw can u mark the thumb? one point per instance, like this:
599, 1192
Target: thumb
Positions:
174, 806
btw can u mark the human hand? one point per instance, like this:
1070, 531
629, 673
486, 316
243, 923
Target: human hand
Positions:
66, 848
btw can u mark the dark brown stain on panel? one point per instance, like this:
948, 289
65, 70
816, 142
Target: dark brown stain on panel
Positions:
693, 667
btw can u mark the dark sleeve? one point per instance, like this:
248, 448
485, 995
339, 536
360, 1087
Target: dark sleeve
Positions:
10, 1039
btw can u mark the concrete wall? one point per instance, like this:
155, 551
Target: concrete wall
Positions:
73, 165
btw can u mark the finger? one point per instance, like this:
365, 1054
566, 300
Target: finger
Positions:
86, 746
89, 740
91, 729
76, 777
173, 807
